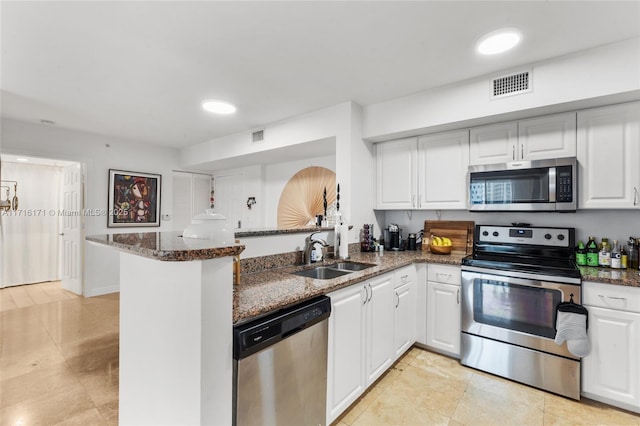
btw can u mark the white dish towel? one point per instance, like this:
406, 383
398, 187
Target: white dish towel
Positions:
572, 327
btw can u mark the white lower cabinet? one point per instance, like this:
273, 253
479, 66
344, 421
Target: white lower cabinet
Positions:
360, 340
443, 308
404, 317
611, 372
421, 303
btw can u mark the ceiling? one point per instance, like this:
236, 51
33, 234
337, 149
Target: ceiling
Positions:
138, 70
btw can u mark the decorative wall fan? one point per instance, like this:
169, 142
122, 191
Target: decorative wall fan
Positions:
302, 197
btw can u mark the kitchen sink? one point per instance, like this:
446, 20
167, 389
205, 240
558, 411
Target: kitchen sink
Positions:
333, 271
351, 266
322, 273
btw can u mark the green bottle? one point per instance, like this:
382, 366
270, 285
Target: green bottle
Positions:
581, 254
592, 252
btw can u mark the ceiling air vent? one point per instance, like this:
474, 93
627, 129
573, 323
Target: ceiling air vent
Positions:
513, 84
257, 136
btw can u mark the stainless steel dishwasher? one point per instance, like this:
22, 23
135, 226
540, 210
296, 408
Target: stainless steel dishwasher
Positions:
280, 367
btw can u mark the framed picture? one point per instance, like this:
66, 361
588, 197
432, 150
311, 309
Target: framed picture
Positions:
134, 199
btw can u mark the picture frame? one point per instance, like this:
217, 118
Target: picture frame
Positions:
134, 199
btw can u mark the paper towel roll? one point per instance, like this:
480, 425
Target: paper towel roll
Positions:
343, 249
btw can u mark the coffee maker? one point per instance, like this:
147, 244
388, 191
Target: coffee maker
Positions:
393, 238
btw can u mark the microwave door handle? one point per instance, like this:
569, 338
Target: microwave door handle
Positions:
552, 184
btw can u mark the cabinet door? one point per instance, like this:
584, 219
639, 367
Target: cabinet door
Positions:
379, 335
443, 317
421, 303
396, 174
551, 136
608, 153
496, 143
612, 370
443, 161
404, 320
345, 375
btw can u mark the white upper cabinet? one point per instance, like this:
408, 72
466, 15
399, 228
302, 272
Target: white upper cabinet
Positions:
395, 174
495, 143
609, 157
539, 138
551, 136
443, 161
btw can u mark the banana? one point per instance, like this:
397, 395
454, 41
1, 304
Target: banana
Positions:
437, 241
446, 241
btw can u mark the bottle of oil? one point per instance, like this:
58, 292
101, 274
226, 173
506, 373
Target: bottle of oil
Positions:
604, 256
616, 256
581, 254
632, 262
592, 252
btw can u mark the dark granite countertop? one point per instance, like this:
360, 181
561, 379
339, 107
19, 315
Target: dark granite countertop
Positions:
166, 246
263, 292
264, 232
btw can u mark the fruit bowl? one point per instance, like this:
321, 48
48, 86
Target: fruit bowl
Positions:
440, 249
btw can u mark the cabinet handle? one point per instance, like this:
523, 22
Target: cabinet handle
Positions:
513, 153
612, 297
458, 296
398, 297
635, 196
444, 275
404, 278
419, 200
370, 293
413, 200
522, 151
366, 294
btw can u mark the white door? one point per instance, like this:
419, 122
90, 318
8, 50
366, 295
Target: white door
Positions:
396, 174
71, 234
443, 317
379, 341
551, 136
345, 372
443, 162
608, 153
611, 370
228, 198
495, 143
404, 321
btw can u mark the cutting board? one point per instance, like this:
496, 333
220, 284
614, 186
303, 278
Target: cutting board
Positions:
460, 232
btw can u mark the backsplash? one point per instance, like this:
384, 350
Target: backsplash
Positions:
252, 265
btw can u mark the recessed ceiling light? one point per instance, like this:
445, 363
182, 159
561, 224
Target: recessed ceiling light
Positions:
498, 41
217, 106
24, 160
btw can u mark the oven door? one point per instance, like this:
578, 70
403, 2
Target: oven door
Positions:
514, 310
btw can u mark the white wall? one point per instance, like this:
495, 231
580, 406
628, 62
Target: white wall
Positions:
613, 224
604, 75
99, 154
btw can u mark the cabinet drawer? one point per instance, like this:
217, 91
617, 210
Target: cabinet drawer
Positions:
612, 296
404, 276
443, 274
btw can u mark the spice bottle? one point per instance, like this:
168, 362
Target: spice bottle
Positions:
632, 262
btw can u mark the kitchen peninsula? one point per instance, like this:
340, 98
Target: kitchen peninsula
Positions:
176, 301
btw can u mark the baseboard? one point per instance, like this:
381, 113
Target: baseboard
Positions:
101, 290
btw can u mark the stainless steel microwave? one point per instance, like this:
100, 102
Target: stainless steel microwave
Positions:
541, 185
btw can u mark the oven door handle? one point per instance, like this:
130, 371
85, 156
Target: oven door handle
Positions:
468, 278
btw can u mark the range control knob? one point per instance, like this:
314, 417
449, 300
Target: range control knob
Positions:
485, 233
495, 233
547, 236
560, 237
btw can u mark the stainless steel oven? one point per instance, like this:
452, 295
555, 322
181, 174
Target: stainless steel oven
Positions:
511, 287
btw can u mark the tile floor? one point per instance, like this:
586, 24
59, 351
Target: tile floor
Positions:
425, 388
59, 365
58, 357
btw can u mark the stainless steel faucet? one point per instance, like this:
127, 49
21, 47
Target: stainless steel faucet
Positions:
309, 244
